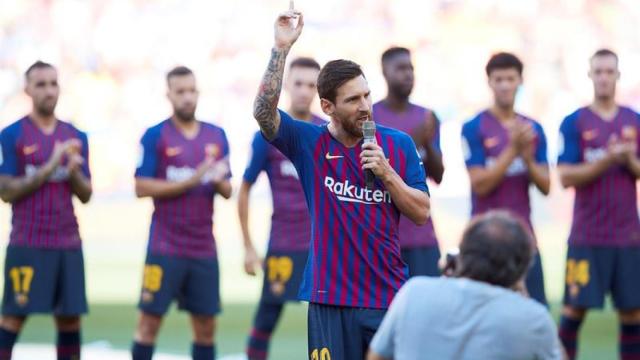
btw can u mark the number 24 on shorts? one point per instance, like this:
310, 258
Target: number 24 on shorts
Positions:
322, 354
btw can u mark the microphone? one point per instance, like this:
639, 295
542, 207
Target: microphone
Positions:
369, 132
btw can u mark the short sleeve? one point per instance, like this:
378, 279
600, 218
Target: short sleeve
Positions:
436, 138
8, 156
415, 175
148, 154
541, 147
85, 154
384, 341
291, 137
226, 153
258, 159
472, 148
569, 142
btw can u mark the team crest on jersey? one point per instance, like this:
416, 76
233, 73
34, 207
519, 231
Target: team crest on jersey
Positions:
30, 149
146, 296
172, 151
589, 135
22, 300
629, 132
491, 142
211, 150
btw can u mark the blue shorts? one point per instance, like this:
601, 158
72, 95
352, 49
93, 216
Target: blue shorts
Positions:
594, 271
422, 260
282, 275
535, 281
194, 282
341, 333
45, 281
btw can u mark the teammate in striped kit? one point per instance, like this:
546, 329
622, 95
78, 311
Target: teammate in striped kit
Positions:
354, 267
505, 152
291, 226
419, 244
43, 164
184, 164
599, 158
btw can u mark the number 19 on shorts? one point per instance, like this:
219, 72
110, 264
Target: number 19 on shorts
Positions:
320, 354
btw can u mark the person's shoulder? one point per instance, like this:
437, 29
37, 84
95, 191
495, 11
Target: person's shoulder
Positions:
628, 111
474, 122
155, 131
573, 117
318, 120
14, 128
72, 129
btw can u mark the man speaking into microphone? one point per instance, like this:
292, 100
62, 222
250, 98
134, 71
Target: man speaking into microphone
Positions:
354, 267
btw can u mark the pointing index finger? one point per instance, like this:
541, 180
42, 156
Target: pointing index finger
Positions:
291, 5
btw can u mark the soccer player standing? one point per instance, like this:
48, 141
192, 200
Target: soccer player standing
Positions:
419, 244
291, 226
184, 164
505, 152
599, 159
354, 266
43, 164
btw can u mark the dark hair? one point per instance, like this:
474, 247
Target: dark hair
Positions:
333, 75
604, 52
37, 65
504, 60
496, 249
392, 52
304, 62
178, 71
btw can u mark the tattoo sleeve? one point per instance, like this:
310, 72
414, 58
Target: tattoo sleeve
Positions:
266, 102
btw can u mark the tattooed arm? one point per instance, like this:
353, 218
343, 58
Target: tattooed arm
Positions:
266, 102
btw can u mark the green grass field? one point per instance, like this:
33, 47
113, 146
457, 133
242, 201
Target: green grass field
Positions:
115, 323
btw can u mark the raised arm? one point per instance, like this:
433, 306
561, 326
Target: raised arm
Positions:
266, 102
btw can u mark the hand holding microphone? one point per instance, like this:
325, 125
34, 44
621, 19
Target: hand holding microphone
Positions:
374, 162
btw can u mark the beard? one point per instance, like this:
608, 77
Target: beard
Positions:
350, 126
402, 90
46, 107
185, 115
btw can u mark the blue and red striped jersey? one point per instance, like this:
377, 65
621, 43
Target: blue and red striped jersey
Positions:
605, 211
183, 225
484, 138
410, 121
354, 258
290, 222
45, 218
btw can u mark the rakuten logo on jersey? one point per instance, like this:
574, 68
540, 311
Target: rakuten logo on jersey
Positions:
345, 191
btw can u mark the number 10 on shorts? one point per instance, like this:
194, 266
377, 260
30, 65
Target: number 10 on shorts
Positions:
322, 354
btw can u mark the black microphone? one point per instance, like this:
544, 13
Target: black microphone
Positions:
369, 132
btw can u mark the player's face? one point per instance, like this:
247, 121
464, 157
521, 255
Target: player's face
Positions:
504, 83
605, 74
42, 86
398, 72
302, 87
183, 95
352, 105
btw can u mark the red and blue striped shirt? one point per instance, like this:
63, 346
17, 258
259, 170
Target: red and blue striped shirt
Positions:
290, 222
605, 211
354, 258
484, 138
182, 226
45, 218
411, 235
